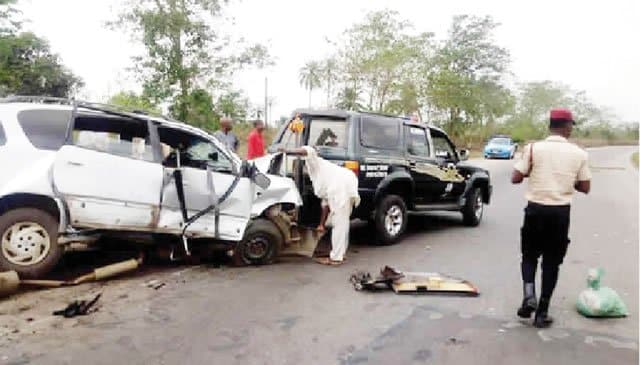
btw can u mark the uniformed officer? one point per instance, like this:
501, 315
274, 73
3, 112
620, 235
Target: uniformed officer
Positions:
554, 168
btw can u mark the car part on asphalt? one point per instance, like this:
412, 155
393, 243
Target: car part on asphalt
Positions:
79, 308
101, 273
412, 282
9, 283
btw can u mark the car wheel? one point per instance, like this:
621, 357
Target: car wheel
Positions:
261, 244
473, 208
29, 242
390, 219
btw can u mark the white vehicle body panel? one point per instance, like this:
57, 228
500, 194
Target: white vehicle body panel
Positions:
25, 168
281, 190
105, 190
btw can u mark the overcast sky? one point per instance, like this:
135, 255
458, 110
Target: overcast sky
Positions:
588, 45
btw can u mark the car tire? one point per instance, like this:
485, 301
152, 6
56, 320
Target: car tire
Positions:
29, 242
473, 209
390, 219
261, 244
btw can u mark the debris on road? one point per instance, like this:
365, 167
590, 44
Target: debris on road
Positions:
597, 301
154, 284
9, 283
79, 308
412, 282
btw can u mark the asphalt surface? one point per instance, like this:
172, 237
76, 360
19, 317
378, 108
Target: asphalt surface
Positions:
299, 312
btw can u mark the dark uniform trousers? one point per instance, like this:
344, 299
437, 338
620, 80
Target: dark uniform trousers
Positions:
545, 233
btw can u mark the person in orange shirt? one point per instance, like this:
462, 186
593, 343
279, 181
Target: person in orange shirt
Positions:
255, 141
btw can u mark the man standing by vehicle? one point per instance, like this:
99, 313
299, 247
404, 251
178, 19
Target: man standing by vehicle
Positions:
555, 168
255, 141
337, 187
225, 135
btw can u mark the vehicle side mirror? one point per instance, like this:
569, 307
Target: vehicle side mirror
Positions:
463, 154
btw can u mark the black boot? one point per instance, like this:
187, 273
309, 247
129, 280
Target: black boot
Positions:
529, 303
542, 318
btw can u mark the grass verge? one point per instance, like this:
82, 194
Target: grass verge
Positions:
635, 160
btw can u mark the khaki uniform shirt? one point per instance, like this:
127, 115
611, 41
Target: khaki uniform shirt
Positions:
555, 167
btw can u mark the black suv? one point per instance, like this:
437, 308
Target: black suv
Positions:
403, 167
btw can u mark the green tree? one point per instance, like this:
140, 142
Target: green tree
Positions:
28, 67
9, 21
183, 53
349, 99
311, 76
330, 76
233, 104
467, 65
380, 55
132, 101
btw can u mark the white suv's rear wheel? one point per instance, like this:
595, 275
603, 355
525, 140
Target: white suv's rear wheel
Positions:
29, 242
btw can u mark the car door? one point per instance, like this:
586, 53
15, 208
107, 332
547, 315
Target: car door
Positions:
420, 165
450, 182
208, 171
107, 173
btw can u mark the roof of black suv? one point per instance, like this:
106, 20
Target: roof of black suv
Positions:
337, 113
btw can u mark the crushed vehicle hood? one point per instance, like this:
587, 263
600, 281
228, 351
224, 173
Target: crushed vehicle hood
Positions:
281, 189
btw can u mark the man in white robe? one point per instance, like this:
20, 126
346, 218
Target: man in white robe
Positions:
337, 187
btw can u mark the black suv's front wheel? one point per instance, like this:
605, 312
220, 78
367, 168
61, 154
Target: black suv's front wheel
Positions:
473, 208
390, 219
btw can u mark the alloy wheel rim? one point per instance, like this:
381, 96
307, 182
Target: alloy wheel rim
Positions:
393, 220
479, 206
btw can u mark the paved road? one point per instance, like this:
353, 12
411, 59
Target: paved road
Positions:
299, 312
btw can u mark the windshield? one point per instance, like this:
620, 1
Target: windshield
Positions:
500, 141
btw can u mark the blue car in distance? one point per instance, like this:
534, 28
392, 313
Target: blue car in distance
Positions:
500, 147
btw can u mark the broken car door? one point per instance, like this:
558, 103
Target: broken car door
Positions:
208, 174
107, 175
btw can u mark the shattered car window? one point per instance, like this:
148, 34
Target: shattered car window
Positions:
120, 137
328, 133
195, 151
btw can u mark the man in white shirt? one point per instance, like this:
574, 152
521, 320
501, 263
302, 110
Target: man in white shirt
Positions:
554, 168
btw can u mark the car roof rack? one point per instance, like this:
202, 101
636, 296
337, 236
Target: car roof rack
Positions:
101, 107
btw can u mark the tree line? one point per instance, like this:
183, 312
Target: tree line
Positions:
462, 82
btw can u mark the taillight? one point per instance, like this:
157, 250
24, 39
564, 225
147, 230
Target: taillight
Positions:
353, 166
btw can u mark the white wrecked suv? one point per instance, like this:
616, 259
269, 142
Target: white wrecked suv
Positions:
75, 174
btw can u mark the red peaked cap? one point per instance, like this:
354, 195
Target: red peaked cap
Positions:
561, 114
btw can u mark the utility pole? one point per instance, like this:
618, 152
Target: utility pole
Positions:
266, 102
